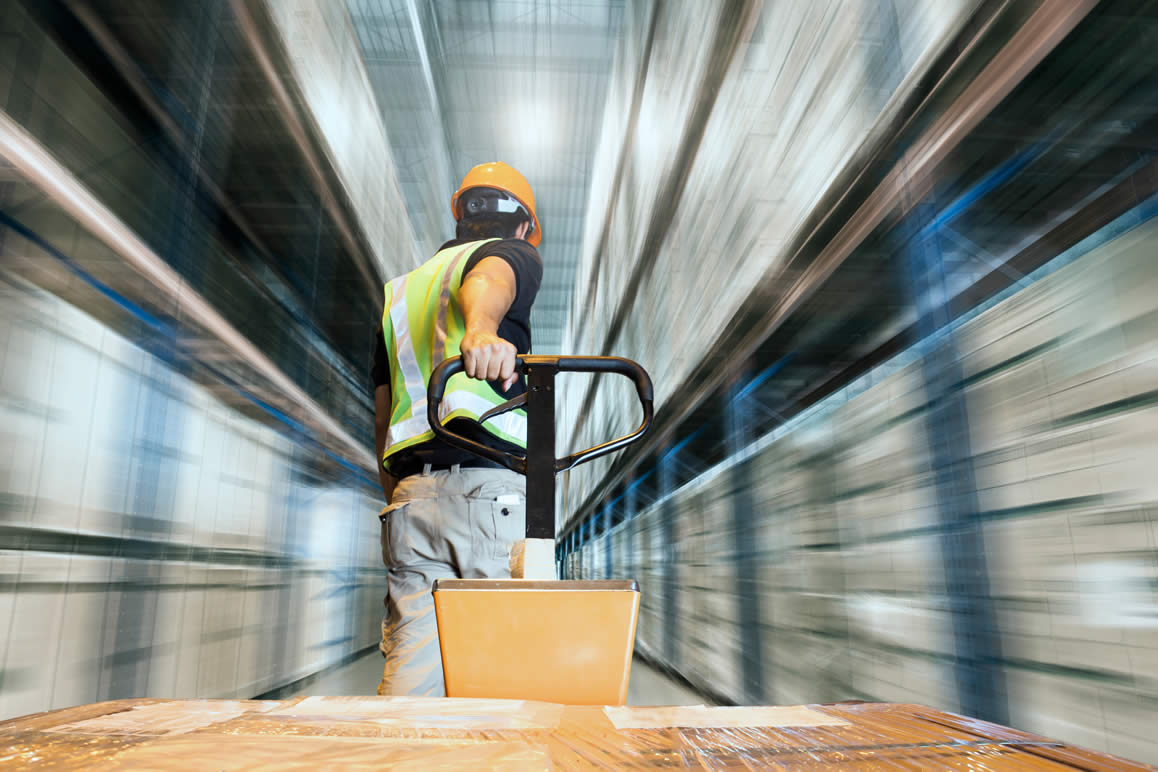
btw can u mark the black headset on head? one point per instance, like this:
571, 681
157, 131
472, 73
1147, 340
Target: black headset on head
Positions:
484, 202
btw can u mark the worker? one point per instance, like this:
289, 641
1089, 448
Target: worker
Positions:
450, 513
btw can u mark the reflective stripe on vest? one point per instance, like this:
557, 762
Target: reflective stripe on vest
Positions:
422, 324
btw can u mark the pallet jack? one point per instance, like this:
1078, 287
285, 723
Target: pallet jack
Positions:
532, 638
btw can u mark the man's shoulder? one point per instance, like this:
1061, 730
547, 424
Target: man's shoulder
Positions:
430, 261
498, 247
517, 248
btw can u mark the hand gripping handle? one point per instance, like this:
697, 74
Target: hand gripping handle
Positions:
542, 366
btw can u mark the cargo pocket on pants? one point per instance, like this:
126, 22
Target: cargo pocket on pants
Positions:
510, 524
495, 527
392, 527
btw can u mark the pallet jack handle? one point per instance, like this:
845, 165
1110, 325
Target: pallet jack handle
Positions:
539, 464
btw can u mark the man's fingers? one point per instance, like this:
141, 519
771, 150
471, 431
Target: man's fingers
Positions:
481, 363
507, 368
494, 363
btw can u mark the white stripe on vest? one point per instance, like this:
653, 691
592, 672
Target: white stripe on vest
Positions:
512, 424
412, 380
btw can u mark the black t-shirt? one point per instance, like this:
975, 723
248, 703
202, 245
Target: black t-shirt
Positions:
515, 327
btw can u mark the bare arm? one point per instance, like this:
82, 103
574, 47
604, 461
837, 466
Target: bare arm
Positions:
486, 295
381, 428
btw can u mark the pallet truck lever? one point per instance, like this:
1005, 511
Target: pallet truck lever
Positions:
511, 404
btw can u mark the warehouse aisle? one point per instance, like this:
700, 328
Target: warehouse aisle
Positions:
360, 678
651, 687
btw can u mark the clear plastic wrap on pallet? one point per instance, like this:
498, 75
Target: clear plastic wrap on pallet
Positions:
430, 733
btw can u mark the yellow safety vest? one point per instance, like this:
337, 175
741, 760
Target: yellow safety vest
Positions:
423, 324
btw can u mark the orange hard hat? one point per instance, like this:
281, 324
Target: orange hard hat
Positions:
501, 177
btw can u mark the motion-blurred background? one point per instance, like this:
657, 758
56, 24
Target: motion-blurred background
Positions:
892, 265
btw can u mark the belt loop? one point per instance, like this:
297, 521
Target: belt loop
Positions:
454, 469
426, 470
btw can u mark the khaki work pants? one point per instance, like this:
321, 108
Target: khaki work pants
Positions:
458, 523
